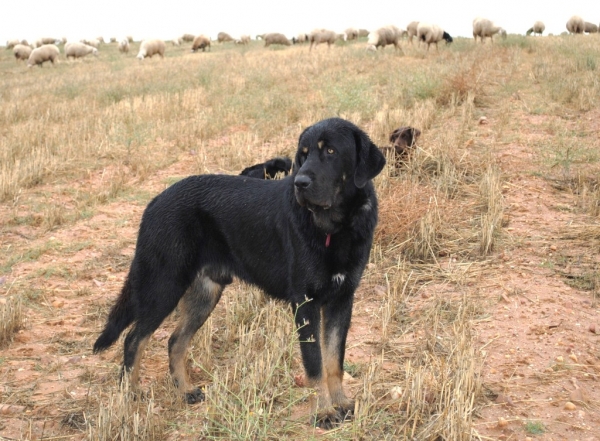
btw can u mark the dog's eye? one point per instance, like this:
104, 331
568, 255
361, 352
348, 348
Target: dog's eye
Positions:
330, 151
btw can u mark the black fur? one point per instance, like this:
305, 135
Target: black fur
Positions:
269, 169
306, 236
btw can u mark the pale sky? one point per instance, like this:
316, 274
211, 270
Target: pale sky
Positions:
167, 19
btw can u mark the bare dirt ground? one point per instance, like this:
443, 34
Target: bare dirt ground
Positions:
540, 353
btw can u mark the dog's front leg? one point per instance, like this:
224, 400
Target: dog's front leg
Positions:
335, 316
308, 322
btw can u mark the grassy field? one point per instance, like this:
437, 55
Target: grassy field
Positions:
84, 146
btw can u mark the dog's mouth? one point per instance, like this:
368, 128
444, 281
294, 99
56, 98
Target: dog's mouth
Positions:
314, 208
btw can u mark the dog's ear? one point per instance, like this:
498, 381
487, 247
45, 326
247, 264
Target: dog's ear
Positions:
369, 159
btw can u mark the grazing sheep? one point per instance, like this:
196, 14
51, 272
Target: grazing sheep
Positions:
363, 33
244, 39
590, 28
124, 46
482, 28
113, 39
411, 30
21, 52
300, 39
130, 38
188, 38
576, 25
384, 36
148, 48
403, 141
222, 37
537, 28
93, 42
275, 38
319, 36
430, 33
46, 40
351, 34
79, 50
12, 43
201, 42
177, 41
46, 52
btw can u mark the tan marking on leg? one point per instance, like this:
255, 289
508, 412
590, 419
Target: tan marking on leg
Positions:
334, 372
135, 369
195, 307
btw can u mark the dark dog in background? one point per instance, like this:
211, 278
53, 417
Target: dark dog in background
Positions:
304, 239
403, 141
269, 169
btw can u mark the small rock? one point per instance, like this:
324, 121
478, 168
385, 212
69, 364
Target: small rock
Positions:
560, 359
577, 396
573, 357
594, 328
553, 247
58, 303
502, 423
396, 392
483, 120
570, 406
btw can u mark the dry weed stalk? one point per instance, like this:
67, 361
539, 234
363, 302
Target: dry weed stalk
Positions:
126, 417
11, 317
492, 209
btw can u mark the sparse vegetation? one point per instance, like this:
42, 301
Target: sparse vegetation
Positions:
86, 145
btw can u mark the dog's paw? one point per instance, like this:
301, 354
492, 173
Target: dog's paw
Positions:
333, 417
194, 396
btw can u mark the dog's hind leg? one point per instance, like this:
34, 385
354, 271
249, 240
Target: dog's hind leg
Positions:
149, 316
195, 307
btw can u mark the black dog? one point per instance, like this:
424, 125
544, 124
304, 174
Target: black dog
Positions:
204, 230
269, 169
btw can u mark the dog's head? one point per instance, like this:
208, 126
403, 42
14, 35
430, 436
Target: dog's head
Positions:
334, 158
404, 138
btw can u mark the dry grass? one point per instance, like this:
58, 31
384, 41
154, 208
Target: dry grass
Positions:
112, 132
11, 318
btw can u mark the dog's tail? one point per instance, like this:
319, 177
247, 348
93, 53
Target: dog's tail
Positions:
121, 316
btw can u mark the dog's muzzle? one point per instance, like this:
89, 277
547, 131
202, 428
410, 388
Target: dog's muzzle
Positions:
303, 186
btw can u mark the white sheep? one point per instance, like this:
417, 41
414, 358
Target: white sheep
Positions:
12, 43
93, 42
300, 39
148, 48
201, 42
363, 33
188, 38
46, 52
223, 37
432, 34
21, 52
276, 38
46, 40
319, 36
537, 28
124, 46
576, 25
244, 39
351, 34
79, 50
482, 28
590, 28
384, 36
411, 30
130, 38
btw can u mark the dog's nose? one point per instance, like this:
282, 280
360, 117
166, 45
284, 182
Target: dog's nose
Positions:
302, 182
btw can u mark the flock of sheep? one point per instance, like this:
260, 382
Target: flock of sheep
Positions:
46, 49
